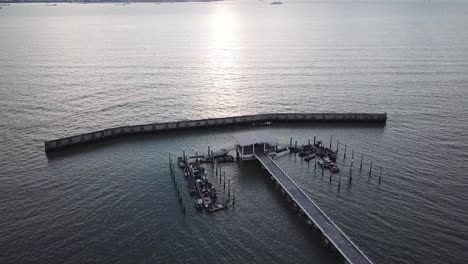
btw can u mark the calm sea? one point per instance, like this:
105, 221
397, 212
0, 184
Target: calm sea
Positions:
76, 68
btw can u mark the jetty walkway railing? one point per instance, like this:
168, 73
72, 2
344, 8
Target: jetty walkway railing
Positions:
212, 122
332, 233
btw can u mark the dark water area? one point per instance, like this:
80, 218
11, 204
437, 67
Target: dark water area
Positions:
77, 68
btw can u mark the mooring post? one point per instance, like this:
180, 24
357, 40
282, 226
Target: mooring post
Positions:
314, 140
295, 144
331, 139
322, 170
233, 196
350, 175
209, 152
339, 182
308, 142
352, 154
345, 147
330, 177
360, 167
183, 156
212, 159
219, 175
315, 165
290, 142
229, 189
337, 145
196, 157
224, 180
380, 176
370, 169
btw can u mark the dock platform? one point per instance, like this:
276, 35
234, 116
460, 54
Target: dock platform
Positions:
332, 234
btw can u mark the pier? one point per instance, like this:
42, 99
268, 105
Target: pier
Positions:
246, 120
332, 234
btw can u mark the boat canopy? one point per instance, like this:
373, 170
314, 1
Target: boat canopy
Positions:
256, 137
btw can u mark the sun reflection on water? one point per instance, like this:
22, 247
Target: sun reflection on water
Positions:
224, 69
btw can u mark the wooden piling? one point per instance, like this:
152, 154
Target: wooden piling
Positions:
331, 139
209, 152
229, 189
314, 140
224, 180
330, 177
295, 144
352, 154
233, 196
183, 156
360, 167
380, 175
290, 142
337, 145
370, 169
339, 182
196, 157
345, 147
308, 142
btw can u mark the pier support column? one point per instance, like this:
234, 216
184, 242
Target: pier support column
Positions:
380, 176
360, 167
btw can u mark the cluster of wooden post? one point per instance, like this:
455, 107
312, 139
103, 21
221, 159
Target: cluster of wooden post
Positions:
222, 180
351, 169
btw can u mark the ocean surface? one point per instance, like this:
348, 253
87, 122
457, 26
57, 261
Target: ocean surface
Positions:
75, 68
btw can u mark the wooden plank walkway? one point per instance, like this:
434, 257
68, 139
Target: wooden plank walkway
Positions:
351, 253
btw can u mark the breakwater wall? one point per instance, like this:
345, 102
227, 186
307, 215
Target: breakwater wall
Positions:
259, 119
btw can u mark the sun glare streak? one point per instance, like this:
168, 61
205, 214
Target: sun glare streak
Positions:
223, 27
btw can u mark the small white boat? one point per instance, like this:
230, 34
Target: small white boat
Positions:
276, 3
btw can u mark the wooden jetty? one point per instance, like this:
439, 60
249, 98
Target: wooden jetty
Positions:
246, 120
332, 233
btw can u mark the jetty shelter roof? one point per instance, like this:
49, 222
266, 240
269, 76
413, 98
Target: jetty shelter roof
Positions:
256, 137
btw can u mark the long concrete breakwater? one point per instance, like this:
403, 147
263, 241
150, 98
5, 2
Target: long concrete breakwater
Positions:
259, 119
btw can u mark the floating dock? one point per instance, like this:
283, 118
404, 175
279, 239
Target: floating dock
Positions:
260, 119
331, 233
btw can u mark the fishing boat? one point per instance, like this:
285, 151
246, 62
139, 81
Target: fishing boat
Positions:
333, 168
198, 203
322, 164
310, 157
217, 207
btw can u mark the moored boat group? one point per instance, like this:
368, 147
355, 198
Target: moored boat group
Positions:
201, 189
326, 157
